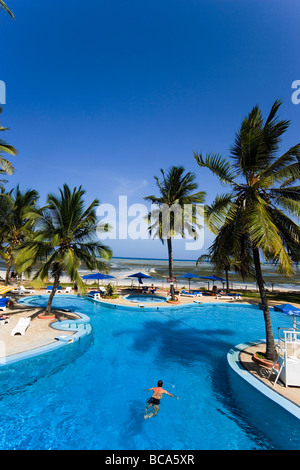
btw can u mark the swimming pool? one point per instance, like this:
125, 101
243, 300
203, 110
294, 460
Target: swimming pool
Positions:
145, 298
97, 401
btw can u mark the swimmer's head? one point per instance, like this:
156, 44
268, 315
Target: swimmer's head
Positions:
160, 383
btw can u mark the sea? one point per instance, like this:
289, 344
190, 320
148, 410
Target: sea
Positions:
158, 270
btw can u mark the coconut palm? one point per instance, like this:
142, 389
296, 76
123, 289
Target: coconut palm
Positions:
65, 237
6, 166
261, 211
4, 7
169, 219
14, 222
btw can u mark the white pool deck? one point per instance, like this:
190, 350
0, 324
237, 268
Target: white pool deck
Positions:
40, 333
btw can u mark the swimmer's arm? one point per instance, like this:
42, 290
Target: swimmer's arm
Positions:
170, 394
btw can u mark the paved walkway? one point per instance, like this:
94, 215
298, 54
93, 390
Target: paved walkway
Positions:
38, 334
262, 373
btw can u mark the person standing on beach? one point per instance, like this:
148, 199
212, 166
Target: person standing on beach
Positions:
155, 399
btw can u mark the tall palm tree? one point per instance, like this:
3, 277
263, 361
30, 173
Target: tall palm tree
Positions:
176, 190
6, 166
5, 8
65, 237
262, 209
14, 222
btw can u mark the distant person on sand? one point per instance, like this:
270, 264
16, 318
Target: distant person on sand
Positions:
155, 399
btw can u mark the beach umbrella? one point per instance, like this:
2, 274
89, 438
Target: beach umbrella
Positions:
289, 309
139, 276
5, 289
98, 276
189, 276
213, 278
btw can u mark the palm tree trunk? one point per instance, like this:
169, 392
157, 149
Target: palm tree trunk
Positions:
171, 267
270, 343
227, 280
8, 268
52, 294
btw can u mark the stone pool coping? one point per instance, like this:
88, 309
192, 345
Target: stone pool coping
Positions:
73, 334
278, 394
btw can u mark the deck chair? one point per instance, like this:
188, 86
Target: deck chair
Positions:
4, 319
3, 303
23, 290
50, 289
228, 297
26, 291
68, 290
197, 292
94, 294
21, 327
187, 294
225, 297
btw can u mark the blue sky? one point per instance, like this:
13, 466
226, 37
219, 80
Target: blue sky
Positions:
104, 93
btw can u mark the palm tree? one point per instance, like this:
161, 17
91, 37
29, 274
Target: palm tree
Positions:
6, 148
261, 211
5, 8
14, 222
64, 238
176, 190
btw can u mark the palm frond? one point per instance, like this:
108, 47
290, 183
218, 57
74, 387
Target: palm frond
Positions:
5, 8
218, 166
216, 213
286, 166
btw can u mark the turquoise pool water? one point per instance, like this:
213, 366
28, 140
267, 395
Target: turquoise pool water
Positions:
97, 400
144, 298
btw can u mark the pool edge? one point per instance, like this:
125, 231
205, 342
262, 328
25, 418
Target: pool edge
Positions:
233, 359
59, 326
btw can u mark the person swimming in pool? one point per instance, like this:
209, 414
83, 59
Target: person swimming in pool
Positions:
155, 399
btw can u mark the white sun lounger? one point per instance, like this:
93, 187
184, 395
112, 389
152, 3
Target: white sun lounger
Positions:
68, 290
26, 291
190, 294
228, 297
22, 290
21, 327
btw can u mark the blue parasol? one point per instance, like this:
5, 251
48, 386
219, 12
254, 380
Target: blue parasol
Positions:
140, 276
189, 276
98, 276
288, 309
213, 278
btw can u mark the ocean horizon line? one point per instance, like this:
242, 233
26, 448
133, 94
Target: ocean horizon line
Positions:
152, 259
